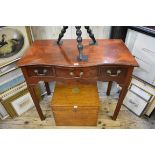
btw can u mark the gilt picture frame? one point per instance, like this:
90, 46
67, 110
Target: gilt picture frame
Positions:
14, 40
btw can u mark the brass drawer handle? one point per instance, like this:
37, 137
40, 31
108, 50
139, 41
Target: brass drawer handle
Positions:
44, 71
117, 73
72, 73
81, 73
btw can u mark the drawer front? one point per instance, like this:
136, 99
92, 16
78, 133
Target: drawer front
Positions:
40, 71
75, 122
67, 116
70, 73
113, 73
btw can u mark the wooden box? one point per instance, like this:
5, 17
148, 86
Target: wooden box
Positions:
75, 105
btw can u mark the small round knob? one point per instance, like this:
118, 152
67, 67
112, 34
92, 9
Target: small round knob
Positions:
75, 108
36, 71
81, 73
118, 71
71, 73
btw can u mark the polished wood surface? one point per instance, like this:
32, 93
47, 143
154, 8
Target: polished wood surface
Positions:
108, 60
75, 94
106, 52
76, 105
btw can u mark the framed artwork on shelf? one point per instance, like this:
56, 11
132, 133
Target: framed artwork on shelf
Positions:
14, 40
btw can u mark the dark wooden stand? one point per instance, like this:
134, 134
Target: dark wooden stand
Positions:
81, 57
109, 60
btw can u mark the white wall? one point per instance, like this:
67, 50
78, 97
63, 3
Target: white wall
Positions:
52, 32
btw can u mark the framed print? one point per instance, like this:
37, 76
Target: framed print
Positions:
150, 108
140, 41
22, 104
135, 103
18, 103
144, 91
12, 91
11, 79
140, 92
143, 85
14, 40
8, 68
3, 112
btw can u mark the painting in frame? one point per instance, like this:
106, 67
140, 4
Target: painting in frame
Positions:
14, 40
140, 41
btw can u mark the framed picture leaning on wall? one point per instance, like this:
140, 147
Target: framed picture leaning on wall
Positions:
14, 40
140, 41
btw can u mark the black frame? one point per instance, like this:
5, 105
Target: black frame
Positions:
148, 30
120, 32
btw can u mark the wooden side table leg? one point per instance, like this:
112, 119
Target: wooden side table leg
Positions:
120, 101
36, 101
47, 88
109, 88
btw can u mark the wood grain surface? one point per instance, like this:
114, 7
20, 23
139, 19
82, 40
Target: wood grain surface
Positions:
75, 94
76, 105
106, 52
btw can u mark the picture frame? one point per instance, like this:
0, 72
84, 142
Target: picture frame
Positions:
22, 104
18, 103
135, 103
149, 89
12, 91
8, 67
11, 79
121, 32
3, 112
141, 92
140, 95
140, 41
14, 40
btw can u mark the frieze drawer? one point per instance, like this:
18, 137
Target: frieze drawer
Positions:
40, 71
76, 72
113, 73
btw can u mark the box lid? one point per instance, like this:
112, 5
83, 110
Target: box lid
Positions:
78, 94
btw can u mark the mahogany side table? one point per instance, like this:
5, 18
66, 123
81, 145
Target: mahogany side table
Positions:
109, 60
